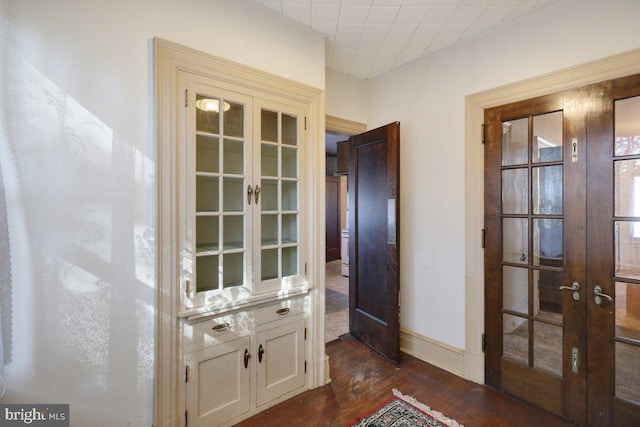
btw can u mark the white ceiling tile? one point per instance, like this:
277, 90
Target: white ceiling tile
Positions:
273, 4
438, 44
378, 32
493, 16
387, 2
410, 15
465, 15
476, 3
326, 2
446, 3
324, 13
382, 15
476, 29
417, 3
536, 4
427, 31
370, 45
349, 32
438, 15
401, 32
357, 3
354, 14
505, 3
343, 58
452, 32
412, 50
517, 12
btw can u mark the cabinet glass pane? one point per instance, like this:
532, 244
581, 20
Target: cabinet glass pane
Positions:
515, 341
269, 264
269, 125
233, 270
269, 229
289, 195
207, 234
547, 137
233, 156
206, 273
233, 230
207, 154
515, 191
547, 298
627, 126
234, 195
547, 242
207, 114
269, 195
547, 190
547, 347
289, 228
289, 261
269, 160
515, 140
627, 188
515, 289
515, 240
289, 162
627, 251
207, 194
289, 130
233, 119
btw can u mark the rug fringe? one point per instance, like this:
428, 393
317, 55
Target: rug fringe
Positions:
435, 414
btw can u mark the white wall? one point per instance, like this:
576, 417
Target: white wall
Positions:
346, 97
77, 158
428, 98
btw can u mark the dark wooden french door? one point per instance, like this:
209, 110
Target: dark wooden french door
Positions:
333, 231
562, 254
374, 245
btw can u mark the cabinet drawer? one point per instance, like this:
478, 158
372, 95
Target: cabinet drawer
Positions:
215, 331
281, 310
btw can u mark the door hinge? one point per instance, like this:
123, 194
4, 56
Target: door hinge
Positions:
484, 342
305, 268
186, 97
305, 366
186, 418
482, 132
484, 238
305, 122
187, 288
186, 374
305, 334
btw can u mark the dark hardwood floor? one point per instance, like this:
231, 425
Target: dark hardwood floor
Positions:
362, 380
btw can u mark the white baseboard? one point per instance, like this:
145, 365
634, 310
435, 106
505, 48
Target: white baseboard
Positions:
439, 354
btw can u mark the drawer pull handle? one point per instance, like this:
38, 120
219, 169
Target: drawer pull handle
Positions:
221, 327
283, 311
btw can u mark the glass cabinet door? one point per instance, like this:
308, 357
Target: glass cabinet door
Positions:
277, 216
217, 153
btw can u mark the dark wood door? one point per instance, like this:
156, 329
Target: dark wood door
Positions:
560, 214
374, 254
333, 232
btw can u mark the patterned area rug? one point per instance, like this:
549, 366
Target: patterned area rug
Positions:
405, 411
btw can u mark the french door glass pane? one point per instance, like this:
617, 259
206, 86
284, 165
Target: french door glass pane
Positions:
269, 125
207, 273
515, 191
627, 188
515, 291
207, 194
233, 119
627, 126
627, 372
269, 263
547, 298
515, 339
207, 154
627, 251
515, 142
547, 242
207, 114
207, 234
547, 137
289, 130
628, 311
547, 347
515, 240
233, 156
547, 190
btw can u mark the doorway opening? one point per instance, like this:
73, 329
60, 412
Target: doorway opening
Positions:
337, 270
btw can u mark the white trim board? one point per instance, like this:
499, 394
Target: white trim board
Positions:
434, 352
608, 68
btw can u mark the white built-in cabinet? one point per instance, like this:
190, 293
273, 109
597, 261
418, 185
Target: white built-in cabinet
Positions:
244, 292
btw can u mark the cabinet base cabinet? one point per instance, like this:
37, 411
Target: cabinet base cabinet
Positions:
281, 361
217, 384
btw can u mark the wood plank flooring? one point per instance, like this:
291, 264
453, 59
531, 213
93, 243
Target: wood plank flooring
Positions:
362, 380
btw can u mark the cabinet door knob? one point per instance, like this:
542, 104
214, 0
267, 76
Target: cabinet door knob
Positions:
260, 353
249, 194
257, 192
247, 356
